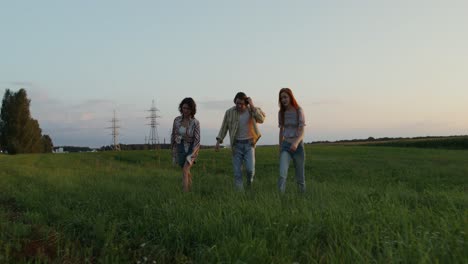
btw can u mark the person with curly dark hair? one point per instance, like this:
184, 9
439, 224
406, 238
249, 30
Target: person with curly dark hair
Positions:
185, 140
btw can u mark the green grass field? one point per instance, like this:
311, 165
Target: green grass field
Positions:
362, 205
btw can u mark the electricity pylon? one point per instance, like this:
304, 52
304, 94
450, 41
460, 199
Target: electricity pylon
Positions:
153, 139
114, 132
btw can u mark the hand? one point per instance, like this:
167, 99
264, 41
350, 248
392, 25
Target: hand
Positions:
293, 148
189, 159
250, 102
217, 146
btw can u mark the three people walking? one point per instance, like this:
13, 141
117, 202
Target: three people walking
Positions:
241, 122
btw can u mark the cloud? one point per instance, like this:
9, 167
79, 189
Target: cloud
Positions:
88, 123
86, 116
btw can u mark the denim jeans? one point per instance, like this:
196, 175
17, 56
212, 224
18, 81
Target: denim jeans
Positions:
243, 153
181, 160
298, 158
181, 154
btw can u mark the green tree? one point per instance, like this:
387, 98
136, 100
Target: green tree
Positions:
19, 132
48, 146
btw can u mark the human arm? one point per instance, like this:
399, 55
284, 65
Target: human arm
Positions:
280, 137
222, 132
300, 129
173, 141
196, 143
281, 130
256, 112
299, 138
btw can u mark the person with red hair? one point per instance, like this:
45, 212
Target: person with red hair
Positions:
291, 122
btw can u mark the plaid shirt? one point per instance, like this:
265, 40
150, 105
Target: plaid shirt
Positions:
231, 123
192, 136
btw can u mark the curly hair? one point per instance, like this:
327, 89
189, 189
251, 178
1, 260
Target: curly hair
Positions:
191, 103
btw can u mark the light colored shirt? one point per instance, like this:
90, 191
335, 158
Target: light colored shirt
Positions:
231, 124
292, 121
182, 131
190, 136
245, 126
182, 134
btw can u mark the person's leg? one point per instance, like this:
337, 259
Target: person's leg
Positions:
181, 155
187, 177
237, 157
180, 159
284, 160
187, 167
249, 159
299, 164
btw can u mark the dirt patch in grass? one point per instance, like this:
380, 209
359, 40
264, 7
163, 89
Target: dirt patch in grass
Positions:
41, 244
11, 209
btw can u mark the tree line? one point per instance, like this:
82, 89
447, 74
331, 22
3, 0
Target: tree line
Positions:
19, 132
453, 142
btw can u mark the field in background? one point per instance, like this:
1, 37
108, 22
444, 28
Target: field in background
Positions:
363, 204
450, 142
456, 142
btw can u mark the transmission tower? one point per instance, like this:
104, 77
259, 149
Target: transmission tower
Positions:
153, 139
114, 132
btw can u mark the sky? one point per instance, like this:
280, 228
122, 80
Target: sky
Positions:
357, 68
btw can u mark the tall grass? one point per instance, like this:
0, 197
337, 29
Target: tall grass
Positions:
363, 205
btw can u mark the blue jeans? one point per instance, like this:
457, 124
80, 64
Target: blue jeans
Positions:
181, 154
243, 153
298, 158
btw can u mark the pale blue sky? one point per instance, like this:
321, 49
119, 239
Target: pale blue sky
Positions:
358, 68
